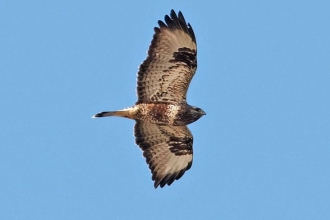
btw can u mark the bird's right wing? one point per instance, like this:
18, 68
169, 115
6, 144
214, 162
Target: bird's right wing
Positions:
168, 150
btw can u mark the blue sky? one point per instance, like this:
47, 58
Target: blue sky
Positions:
261, 152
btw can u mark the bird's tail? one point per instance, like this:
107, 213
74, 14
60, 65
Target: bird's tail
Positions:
126, 113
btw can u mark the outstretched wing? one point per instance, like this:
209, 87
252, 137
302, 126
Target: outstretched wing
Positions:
167, 149
171, 62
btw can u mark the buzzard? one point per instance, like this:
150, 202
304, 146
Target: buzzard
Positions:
161, 112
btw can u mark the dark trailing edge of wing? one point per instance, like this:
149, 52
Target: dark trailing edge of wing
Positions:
177, 22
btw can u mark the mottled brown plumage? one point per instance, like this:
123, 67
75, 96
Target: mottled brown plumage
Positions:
167, 148
171, 63
161, 111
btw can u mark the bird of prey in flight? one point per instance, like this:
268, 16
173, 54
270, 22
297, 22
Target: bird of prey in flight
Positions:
161, 112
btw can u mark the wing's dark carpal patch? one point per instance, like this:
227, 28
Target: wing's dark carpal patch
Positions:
181, 145
185, 55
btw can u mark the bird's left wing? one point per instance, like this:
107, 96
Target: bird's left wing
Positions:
168, 150
166, 73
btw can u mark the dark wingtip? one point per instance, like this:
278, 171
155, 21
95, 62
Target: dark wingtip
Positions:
177, 21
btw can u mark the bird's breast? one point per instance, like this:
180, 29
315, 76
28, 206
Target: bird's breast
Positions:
158, 113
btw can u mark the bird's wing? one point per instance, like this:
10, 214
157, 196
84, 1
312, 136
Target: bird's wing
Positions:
168, 150
171, 62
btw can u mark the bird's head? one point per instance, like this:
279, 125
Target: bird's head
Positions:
191, 114
197, 111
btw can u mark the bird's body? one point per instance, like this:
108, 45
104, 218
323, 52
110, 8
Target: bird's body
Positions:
158, 113
161, 111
